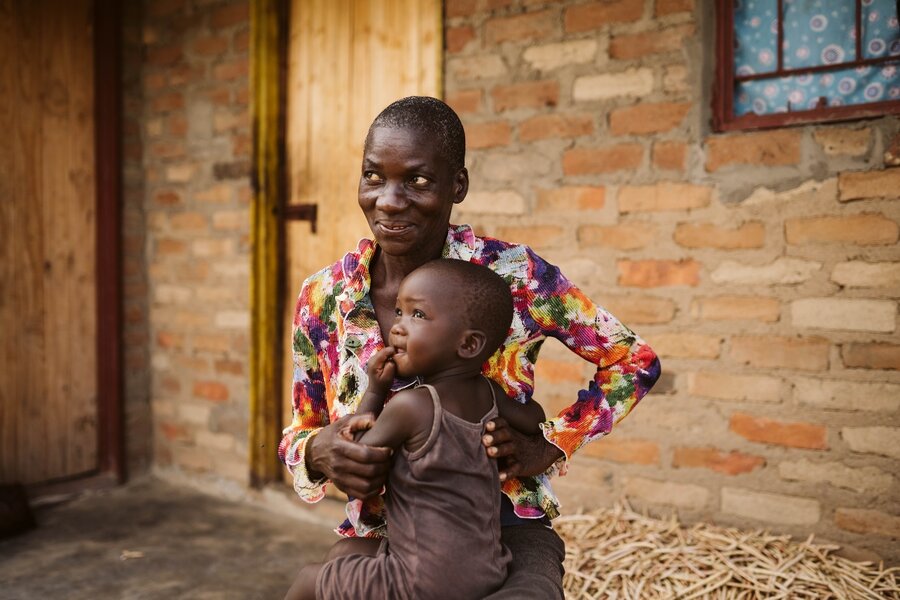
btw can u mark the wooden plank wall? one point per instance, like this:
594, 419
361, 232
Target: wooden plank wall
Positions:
48, 388
347, 60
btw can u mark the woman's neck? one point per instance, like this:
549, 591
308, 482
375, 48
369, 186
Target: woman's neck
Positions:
389, 270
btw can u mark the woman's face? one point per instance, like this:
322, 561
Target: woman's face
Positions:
406, 191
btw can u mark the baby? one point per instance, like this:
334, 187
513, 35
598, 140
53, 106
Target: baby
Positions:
443, 498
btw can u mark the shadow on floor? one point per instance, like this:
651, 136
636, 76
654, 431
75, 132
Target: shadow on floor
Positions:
151, 540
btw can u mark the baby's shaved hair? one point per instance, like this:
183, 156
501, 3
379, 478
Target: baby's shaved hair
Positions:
429, 116
483, 296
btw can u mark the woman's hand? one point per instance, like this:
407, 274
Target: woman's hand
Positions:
381, 370
518, 455
356, 469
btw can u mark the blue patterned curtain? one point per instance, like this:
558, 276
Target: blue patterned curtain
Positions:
816, 32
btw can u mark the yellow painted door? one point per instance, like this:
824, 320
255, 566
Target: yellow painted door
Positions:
48, 386
347, 60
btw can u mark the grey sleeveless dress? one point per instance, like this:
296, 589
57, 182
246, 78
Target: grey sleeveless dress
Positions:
443, 523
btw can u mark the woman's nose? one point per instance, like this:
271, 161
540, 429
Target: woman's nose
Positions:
391, 198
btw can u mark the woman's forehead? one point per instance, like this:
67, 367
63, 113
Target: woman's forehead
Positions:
403, 142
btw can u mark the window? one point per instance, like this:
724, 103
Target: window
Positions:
782, 62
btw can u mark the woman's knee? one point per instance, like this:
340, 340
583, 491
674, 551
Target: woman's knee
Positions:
349, 546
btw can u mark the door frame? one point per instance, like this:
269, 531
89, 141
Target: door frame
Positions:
110, 468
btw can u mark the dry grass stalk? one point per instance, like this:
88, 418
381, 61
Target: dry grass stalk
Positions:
620, 554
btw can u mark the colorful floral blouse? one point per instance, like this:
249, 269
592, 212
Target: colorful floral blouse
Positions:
335, 333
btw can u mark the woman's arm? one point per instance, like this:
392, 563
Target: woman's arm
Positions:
626, 366
524, 417
313, 448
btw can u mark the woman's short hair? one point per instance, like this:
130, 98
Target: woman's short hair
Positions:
429, 116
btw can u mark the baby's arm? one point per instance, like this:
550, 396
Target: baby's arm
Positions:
524, 417
406, 420
381, 370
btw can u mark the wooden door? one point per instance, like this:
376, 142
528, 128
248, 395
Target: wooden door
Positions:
347, 60
48, 316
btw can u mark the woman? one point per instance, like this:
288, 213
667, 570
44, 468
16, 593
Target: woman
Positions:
413, 172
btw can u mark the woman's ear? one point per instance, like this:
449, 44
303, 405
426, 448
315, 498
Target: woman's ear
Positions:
472, 343
460, 185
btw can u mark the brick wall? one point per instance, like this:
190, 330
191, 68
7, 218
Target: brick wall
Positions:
761, 266
195, 133
136, 356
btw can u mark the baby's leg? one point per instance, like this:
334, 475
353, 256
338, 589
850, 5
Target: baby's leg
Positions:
348, 546
304, 586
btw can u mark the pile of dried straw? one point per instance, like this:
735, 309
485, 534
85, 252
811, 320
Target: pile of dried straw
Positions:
618, 553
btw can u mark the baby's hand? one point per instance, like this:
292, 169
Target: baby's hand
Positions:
381, 370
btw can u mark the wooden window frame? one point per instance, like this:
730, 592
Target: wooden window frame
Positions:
724, 118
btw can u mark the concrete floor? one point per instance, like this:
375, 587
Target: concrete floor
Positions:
149, 540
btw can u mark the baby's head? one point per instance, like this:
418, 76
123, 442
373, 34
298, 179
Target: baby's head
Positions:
449, 311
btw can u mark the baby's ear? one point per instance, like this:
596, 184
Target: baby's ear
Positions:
473, 341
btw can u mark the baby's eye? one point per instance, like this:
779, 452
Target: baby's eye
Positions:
398, 312
372, 177
418, 314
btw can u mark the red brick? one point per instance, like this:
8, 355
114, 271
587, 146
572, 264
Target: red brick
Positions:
168, 246
174, 431
183, 74
780, 433
729, 463
866, 229
163, 8
555, 126
210, 45
871, 356
154, 81
194, 221
211, 390
658, 273
166, 150
465, 101
538, 236
231, 70
242, 41
167, 198
521, 28
640, 309
232, 14
571, 198
168, 102
668, 7
230, 367
624, 236
488, 135
456, 38
167, 339
164, 55
177, 125
559, 371
707, 235
531, 94
777, 352
737, 308
766, 148
669, 155
638, 45
648, 118
637, 452
588, 161
584, 17
867, 521
241, 145
460, 8
663, 196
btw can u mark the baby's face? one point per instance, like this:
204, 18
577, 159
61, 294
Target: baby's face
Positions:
426, 332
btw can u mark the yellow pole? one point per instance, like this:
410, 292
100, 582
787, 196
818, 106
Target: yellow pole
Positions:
267, 38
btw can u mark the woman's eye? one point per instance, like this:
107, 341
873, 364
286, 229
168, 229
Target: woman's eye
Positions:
419, 180
372, 176
418, 314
